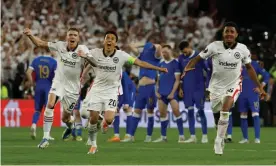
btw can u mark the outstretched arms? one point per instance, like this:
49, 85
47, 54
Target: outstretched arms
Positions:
37, 41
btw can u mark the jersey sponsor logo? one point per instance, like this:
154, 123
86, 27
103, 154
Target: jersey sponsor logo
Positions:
115, 60
237, 55
68, 63
228, 65
108, 68
74, 55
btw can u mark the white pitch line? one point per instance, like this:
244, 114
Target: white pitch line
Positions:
148, 148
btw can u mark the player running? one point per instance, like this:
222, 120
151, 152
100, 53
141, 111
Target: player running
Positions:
126, 101
192, 90
166, 92
103, 95
146, 88
77, 130
44, 69
66, 83
228, 56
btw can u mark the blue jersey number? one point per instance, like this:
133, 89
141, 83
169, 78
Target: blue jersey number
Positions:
44, 71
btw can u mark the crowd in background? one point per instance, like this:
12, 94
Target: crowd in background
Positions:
170, 21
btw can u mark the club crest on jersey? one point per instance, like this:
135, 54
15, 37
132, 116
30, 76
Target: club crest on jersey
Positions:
237, 55
74, 55
115, 60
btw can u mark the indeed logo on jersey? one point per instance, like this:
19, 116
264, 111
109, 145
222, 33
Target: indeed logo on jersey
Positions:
228, 65
68, 63
108, 68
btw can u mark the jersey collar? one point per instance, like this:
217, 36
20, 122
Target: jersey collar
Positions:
74, 49
233, 47
110, 55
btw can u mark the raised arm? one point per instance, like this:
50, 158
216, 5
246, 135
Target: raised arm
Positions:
89, 59
134, 48
37, 41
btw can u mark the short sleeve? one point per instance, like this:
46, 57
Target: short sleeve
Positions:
176, 68
53, 46
208, 52
246, 56
33, 64
93, 53
127, 58
85, 49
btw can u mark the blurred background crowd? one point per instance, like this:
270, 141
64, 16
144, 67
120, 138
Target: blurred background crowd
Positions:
169, 21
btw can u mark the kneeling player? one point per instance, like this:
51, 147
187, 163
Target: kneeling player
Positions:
166, 93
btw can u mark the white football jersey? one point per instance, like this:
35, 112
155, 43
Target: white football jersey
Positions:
109, 71
69, 66
226, 64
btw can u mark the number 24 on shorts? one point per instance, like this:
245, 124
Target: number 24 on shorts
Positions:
112, 102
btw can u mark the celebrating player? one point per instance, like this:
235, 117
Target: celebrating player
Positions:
166, 92
146, 87
66, 83
193, 91
228, 56
44, 69
103, 95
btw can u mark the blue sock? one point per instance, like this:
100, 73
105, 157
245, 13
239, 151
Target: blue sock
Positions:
164, 125
135, 120
116, 124
244, 127
191, 120
203, 121
35, 117
230, 125
257, 125
78, 128
179, 122
74, 132
150, 124
128, 123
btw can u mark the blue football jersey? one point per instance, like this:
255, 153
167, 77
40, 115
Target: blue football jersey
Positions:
248, 85
167, 80
148, 55
44, 68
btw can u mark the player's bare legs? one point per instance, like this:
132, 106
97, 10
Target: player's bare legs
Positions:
48, 120
179, 121
223, 124
164, 121
68, 119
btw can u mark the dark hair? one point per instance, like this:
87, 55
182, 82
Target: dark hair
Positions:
112, 32
231, 24
166, 46
183, 44
74, 29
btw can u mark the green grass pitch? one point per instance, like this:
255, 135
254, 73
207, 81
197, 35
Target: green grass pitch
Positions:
18, 148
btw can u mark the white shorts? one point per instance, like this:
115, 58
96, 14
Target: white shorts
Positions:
217, 98
100, 102
67, 100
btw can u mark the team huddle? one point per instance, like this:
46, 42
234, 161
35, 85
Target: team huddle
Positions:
162, 80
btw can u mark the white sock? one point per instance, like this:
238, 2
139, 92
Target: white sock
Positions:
48, 121
193, 136
33, 126
78, 125
92, 133
222, 125
117, 135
